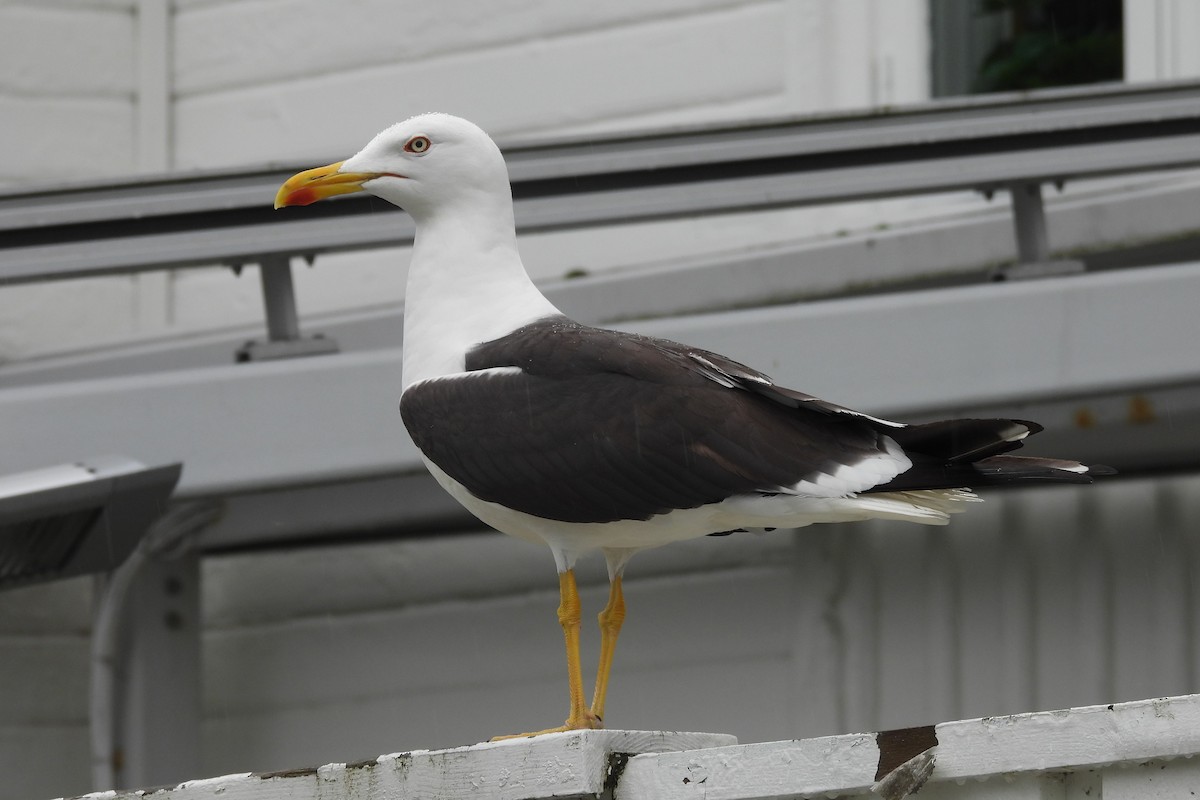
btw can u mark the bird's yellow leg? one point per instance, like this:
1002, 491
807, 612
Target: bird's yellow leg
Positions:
569, 614
611, 619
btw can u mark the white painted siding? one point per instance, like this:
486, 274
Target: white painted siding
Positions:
250, 87
66, 92
1035, 600
1160, 40
44, 633
67, 114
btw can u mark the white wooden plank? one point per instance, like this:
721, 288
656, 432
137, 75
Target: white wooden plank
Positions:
1080, 737
235, 44
1186, 514
258, 124
978, 545
1142, 624
857, 615
112, 5
270, 587
1170, 589
494, 642
941, 618
818, 668
1092, 560
558, 765
73, 51
62, 607
40, 138
45, 679
916, 643
744, 696
1068, 658
835, 764
1014, 621
1002, 749
44, 759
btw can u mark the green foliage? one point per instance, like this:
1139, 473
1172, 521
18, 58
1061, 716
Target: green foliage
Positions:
1054, 43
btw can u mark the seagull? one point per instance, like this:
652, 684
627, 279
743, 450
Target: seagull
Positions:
582, 439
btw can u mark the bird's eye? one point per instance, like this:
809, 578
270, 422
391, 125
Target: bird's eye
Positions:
417, 144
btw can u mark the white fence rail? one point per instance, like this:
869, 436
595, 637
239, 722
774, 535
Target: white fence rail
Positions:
1139, 749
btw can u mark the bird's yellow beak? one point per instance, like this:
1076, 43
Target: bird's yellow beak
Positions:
316, 184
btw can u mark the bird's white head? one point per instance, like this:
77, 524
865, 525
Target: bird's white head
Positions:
423, 164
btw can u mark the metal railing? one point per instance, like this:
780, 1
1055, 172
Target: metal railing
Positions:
1007, 142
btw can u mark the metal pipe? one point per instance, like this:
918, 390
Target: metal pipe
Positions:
169, 537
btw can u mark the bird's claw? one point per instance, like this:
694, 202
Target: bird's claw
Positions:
584, 722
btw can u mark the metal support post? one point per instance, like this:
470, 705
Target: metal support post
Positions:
1029, 217
1033, 243
283, 322
279, 299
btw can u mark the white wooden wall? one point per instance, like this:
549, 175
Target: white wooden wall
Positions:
1035, 600
302, 81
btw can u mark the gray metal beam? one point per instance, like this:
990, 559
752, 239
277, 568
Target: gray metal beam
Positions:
897, 354
1141, 225
226, 217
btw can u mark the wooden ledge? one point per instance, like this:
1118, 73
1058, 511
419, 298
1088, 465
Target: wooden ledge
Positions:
557, 765
1125, 751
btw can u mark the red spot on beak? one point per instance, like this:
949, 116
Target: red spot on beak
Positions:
302, 197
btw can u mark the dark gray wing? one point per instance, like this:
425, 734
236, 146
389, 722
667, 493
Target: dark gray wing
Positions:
598, 426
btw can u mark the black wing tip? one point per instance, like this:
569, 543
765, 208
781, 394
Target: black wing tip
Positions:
1020, 469
1034, 428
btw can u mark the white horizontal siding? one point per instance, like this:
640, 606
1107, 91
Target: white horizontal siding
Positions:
1037, 599
77, 5
36, 318
44, 634
531, 86
890, 46
62, 140
43, 761
455, 672
1159, 40
260, 42
53, 684
66, 91
72, 52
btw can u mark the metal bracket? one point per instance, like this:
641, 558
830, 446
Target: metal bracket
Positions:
283, 323
1033, 245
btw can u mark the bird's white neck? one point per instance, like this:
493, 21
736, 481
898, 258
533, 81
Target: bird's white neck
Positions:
466, 285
